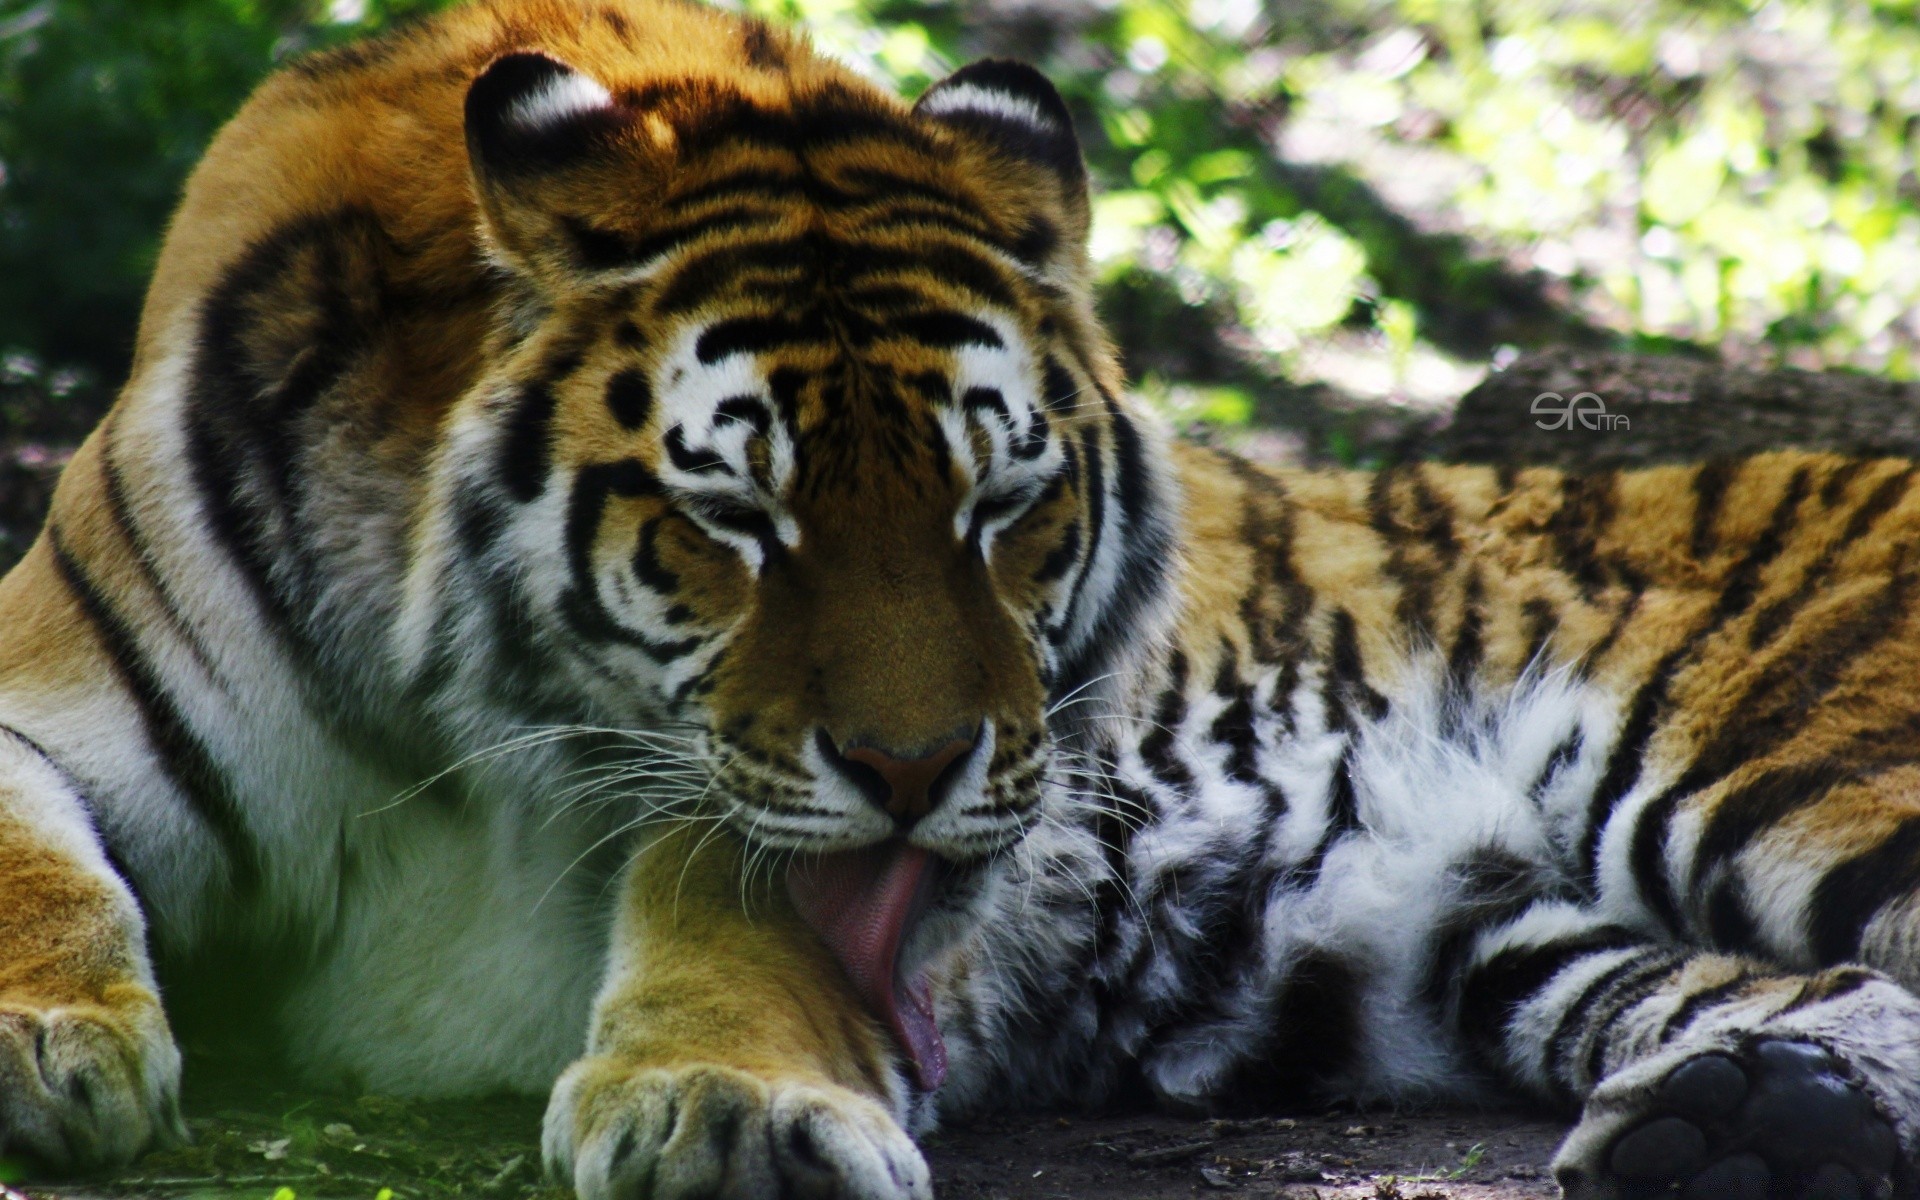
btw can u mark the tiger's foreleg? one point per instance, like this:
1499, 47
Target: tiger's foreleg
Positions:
727, 1056
1716, 1076
89, 1075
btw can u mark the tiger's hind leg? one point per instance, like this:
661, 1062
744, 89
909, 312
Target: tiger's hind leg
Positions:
89, 1075
1706, 1075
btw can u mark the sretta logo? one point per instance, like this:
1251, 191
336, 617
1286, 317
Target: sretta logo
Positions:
1558, 412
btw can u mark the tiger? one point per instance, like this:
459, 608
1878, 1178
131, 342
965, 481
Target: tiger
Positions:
626, 568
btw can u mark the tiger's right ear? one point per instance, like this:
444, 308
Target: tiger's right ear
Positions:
561, 169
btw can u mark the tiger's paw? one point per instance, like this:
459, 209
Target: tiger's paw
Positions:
619, 1131
87, 1087
1776, 1119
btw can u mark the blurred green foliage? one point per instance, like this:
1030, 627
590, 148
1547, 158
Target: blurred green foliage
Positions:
1311, 213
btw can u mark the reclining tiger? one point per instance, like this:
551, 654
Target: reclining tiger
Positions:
624, 565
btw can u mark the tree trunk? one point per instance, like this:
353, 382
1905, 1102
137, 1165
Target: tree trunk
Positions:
1593, 410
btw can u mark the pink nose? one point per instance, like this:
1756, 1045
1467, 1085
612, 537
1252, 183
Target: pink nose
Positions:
907, 788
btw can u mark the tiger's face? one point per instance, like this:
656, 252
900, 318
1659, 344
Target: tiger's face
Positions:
810, 431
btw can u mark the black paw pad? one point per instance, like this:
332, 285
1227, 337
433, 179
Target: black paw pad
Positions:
1780, 1121
1710, 1086
1660, 1152
1739, 1177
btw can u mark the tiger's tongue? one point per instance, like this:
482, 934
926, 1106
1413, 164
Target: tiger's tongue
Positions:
862, 903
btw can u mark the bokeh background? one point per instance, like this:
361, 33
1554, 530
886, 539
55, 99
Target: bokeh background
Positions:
1318, 221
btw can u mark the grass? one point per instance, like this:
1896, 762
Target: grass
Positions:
253, 1138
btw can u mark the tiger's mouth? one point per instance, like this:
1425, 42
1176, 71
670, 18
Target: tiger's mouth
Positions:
864, 904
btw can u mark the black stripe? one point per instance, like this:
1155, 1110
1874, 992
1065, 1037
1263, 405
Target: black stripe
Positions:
756, 335
697, 279
38, 750
1565, 753
1061, 558
1145, 551
580, 604
1586, 510
1313, 1029
1036, 241
1850, 895
122, 514
921, 219
1061, 389
730, 219
1095, 491
830, 114
1647, 856
1733, 744
1496, 989
1157, 748
1710, 484
1491, 887
1834, 488
1627, 758
253, 388
946, 329
886, 299
84, 798
647, 567
1541, 621
183, 757
1743, 581
987, 399
1761, 802
1469, 641
1347, 686
1656, 973
1234, 729
526, 443
674, 441
1774, 617
1782, 697
1685, 1013
1729, 916
1130, 478
1596, 1005
630, 398
1828, 985
700, 278
747, 410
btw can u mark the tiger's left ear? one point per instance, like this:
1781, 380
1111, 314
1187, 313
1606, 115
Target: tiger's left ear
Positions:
562, 171
1015, 113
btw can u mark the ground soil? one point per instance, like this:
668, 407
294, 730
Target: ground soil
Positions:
255, 1140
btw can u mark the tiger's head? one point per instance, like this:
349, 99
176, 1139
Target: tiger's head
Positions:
803, 431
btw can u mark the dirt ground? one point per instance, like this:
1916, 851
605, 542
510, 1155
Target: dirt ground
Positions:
252, 1140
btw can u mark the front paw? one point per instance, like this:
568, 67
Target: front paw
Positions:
88, 1086
1775, 1119
624, 1131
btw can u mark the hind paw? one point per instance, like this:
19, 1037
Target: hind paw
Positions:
1777, 1120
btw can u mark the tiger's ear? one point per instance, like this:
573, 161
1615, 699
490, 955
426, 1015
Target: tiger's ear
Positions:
1012, 111
561, 169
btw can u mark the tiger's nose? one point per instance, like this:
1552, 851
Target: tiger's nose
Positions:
907, 789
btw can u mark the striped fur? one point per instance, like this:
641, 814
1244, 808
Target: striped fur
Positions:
560, 431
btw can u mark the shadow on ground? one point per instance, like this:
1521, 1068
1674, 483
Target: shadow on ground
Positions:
257, 1140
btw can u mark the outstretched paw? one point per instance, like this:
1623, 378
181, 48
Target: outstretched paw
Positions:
622, 1132
1777, 1120
87, 1087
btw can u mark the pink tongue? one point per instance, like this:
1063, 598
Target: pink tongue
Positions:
861, 903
